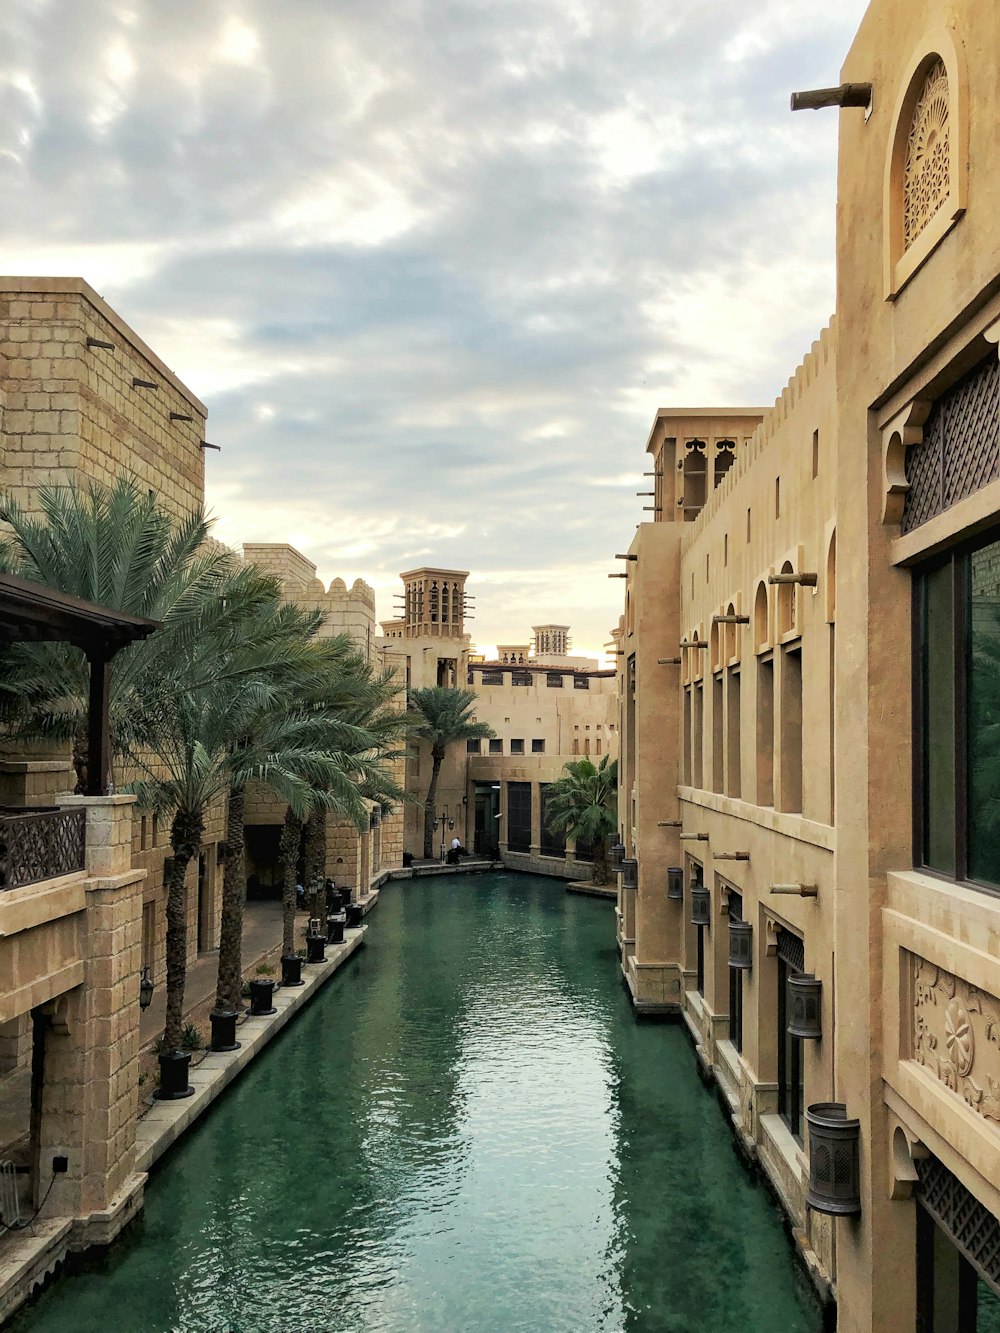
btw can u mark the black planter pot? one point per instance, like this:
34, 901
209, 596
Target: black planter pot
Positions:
224, 1030
261, 997
174, 1066
354, 915
335, 929
315, 948
291, 971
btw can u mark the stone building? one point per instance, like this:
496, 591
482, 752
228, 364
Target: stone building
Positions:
807, 676
82, 397
354, 860
544, 706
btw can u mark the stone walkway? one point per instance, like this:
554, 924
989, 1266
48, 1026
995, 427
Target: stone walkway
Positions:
261, 932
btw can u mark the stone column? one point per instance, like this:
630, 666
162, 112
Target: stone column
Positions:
536, 819
90, 1088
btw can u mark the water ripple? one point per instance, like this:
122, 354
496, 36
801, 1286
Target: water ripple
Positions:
467, 1131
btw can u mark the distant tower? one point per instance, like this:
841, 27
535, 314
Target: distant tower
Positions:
551, 640
434, 603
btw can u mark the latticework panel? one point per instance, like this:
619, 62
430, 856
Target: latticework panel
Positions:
792, 949
960, 452
42, 845
972, 1227
927, 169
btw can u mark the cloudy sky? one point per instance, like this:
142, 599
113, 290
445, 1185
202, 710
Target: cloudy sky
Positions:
434, 264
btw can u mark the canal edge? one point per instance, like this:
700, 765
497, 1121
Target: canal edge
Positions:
165, 1122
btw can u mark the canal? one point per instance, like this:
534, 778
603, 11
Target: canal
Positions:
467, 1130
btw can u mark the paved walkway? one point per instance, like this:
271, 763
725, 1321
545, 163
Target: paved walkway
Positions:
261, 932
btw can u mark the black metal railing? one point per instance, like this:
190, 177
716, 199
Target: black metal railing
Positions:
40, 844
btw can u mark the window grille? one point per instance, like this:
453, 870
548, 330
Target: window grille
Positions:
971, 1226
492, 677
553, 682
550, 843
792, 950
520, 677
960, 452
519, 816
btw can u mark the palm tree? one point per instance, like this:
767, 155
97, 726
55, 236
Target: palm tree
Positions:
206, 711
291, 732
443, 717
584, 804
115, 546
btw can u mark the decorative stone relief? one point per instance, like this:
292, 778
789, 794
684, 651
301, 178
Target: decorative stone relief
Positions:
927, 168
954, 1025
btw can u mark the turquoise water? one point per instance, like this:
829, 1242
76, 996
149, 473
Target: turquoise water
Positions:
467, 1130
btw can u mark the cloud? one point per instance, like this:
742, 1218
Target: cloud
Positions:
434, 264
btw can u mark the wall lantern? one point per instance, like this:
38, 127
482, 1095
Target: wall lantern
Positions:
675, 883
616, 855
834, 1160
700, 910
805, 993
630, 873
145, 990
741, 945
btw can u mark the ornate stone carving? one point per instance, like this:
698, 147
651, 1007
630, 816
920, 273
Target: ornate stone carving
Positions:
927, 169
949, 1015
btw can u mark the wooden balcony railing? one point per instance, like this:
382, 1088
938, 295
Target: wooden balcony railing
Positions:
40, 844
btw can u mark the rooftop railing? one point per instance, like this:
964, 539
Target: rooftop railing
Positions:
40, 844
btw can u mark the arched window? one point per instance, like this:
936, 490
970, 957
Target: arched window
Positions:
927, 165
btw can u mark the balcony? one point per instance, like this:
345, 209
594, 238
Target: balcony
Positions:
42, 844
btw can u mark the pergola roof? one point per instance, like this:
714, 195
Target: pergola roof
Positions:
33, 613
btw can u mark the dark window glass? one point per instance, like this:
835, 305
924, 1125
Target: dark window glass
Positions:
474, 746
517, 746
938, 662
496, 747
984, 714
537, 747
550, 844
581, 682
553, 682
789, 1058
957, 662
519, 816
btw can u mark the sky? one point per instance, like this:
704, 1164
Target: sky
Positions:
433, 265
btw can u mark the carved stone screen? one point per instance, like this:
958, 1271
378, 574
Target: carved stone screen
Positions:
927, 169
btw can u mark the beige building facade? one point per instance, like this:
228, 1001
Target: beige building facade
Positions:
545, 707
807, 676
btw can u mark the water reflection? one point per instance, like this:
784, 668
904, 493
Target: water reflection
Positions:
467, 1131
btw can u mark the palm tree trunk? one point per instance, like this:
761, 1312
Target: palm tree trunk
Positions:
227, 992
430, 802
291, 838
81, 752
185, 840
600, 871
315, 858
